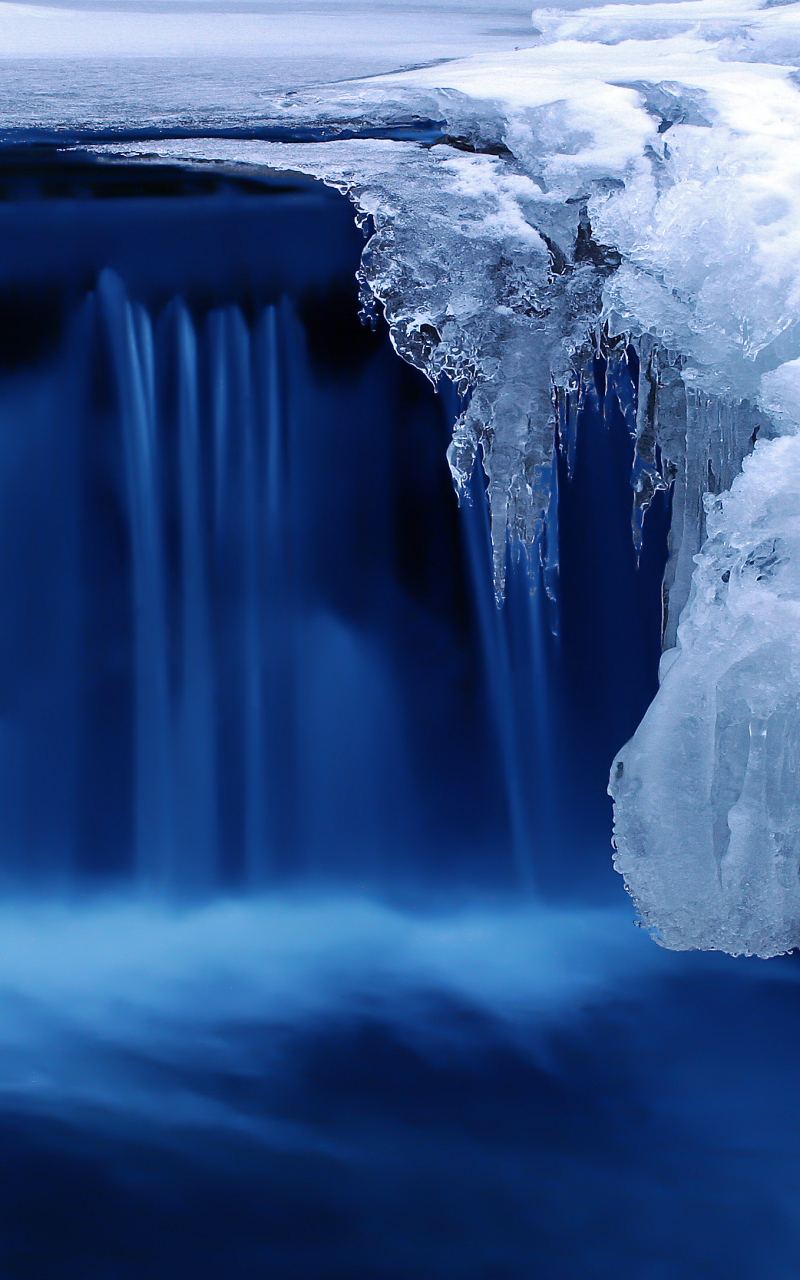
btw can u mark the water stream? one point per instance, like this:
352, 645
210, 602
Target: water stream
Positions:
312, 960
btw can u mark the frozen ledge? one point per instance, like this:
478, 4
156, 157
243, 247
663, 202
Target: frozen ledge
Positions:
630, 181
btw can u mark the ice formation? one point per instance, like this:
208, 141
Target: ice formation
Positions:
627, 182
708, 791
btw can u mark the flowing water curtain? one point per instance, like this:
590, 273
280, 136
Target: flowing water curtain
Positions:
201, 417
130, 334
262, 727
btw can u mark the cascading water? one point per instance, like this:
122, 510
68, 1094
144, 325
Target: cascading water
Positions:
226, 490
253, 672
313, 964
250, 646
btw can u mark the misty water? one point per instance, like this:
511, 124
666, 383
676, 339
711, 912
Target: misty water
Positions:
312, 959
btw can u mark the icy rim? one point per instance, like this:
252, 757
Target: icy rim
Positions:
630, 181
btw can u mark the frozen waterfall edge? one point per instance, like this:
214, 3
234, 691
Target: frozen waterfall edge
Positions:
707, 793
526, 241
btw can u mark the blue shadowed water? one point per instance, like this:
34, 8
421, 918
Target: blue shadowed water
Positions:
255, 654
312, 961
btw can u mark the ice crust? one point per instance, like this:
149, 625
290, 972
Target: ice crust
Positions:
627, 181
708, 791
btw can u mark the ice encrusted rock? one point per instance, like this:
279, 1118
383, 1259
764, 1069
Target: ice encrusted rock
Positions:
707, 793
694, 442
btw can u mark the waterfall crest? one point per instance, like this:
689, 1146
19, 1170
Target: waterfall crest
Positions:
250, 638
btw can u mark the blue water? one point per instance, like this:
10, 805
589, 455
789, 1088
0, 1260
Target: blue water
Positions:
312, 960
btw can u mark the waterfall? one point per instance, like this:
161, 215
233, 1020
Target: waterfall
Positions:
250, 638
265, 719
499, 675
201, 424
236, 713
